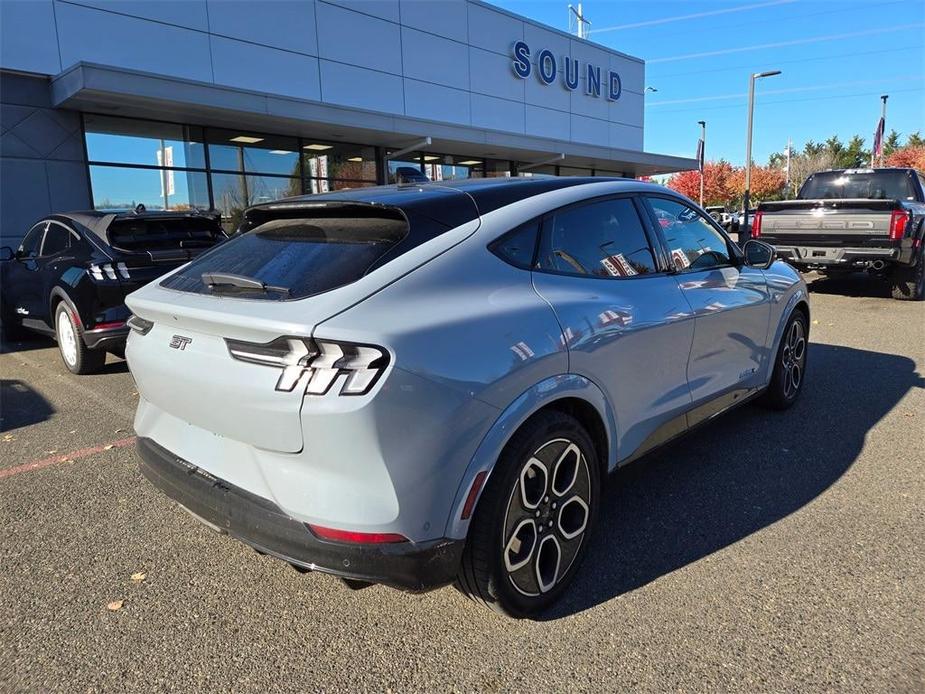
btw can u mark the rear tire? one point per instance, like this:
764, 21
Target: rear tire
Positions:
789, 364
75, 354
530, 529
908, 283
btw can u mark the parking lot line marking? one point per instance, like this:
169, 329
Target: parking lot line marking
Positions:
82, 453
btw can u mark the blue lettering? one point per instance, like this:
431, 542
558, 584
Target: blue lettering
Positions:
521, 63
593, 87
616, 86
545, 59
571, 80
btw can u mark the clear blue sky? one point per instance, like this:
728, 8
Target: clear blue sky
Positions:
837, 58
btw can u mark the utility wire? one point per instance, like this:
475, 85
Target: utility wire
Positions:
752, 66
782, 44
697, 15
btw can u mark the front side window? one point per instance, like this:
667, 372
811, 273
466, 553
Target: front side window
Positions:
600, 239
29, 248
57, 239
693, 242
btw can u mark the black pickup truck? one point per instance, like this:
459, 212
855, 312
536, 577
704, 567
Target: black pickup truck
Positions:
850, 220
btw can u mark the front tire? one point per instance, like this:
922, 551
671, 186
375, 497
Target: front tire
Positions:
908, 283
531, 527
790, 364
75, 354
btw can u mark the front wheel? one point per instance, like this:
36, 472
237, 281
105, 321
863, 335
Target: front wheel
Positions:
77, 357
790, 364
530, 530
908, 283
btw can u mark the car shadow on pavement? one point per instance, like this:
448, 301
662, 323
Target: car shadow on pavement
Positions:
21, 406
114, 365
26, 344
736, 475
858, 284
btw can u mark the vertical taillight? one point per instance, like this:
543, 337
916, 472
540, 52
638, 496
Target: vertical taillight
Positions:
756, 225
898, 221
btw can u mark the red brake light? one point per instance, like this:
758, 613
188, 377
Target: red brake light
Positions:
474, 490
898, 221
354, 537
108, 326
756, 225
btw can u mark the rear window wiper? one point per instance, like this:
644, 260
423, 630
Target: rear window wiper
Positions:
225, 279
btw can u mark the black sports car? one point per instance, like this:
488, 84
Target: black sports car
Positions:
72, 271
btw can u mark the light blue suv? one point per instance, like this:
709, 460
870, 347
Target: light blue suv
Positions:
428, 383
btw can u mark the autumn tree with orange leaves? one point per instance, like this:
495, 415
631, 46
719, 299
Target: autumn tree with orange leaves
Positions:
908, 157
717, 183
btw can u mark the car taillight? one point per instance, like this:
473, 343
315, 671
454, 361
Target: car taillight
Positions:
756, 225
322, 359
108, 271
139, 325
898, 221
354, 537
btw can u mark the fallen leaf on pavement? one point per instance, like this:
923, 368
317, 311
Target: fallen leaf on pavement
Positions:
115, 605
139, 576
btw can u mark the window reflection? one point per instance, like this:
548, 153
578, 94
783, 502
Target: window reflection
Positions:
233, 193
130, 141
229, 150
123, 188
338, 161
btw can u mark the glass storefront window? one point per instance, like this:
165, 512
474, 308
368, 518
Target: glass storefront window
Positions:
338, 161
149, 143
230, 150
235, 192
573, 171
123, 188
404, 170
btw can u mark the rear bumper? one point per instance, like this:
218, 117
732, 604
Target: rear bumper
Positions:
108, 338
261, 524
827, 256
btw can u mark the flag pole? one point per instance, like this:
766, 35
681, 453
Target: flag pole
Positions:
883, 124
703, 154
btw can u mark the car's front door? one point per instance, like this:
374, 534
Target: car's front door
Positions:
625, 322
21, 281
730, 301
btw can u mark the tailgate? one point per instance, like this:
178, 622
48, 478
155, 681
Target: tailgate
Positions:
183, 367
848, 223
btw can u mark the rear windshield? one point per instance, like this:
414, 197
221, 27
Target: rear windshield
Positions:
297, 257
164, 234
870, 185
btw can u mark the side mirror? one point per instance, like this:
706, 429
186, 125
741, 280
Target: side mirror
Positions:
6, 253
758, 254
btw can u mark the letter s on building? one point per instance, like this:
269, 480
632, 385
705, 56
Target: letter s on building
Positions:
521, 62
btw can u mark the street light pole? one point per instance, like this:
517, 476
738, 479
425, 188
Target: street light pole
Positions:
703, 154
748, 146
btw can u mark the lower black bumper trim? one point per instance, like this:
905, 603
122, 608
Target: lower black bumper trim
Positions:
261, 524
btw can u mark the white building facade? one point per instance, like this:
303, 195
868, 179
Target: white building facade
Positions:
224, 103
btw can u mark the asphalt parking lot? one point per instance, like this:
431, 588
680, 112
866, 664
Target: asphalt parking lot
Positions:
767, 551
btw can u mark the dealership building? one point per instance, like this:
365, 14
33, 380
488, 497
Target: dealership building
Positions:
224, 103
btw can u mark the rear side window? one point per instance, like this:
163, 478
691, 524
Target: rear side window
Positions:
517, 247
601, 239
154, 234
298, 256
57, 239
